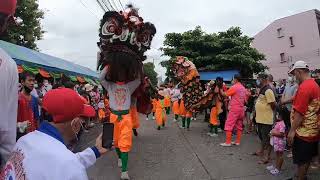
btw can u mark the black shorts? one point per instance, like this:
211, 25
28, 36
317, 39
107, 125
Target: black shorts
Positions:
303, 151
263, 133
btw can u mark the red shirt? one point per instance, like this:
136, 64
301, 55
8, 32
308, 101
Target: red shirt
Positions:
25, 112
307, 103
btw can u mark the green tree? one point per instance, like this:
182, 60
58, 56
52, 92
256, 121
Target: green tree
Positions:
212, 52
29, 30
150, 72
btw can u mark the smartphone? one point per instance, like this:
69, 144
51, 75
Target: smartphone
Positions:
107, 135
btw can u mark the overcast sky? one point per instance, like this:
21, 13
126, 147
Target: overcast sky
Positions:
72, 25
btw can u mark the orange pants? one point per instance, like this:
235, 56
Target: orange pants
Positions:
154, 104
214, 116
161, 116
188, 114
215, 111
182, 109
160, 113
167, 102
101, 114
175, 108
135, 117
122, 134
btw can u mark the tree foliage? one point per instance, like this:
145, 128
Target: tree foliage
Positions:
217, 51
150, 72
29, 31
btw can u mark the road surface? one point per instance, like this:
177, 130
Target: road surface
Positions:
177, 154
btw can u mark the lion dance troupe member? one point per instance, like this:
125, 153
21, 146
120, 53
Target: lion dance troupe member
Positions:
175, 98
185, 114
124, 38
160, 111
134, 116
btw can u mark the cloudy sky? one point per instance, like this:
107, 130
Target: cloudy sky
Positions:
72, 25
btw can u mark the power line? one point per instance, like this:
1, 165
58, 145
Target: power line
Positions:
115, 5
108, 5
121, 4
103, 7
88, 8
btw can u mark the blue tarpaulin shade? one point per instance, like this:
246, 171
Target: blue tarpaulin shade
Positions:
30, 57
212, 75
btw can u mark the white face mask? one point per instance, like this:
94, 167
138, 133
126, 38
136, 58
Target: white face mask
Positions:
35, 85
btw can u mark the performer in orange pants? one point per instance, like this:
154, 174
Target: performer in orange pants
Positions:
134, 116
122, 136
214, 121
154, 105
186, 115
160, 113
176, 110
167, 104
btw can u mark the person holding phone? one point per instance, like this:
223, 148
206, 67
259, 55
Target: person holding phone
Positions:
43, 154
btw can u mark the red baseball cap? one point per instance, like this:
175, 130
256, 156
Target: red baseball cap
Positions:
8, 6
88, 110
64, 105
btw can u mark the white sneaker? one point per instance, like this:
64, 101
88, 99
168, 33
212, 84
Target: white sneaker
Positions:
194, 119
182, 127
225, 144
153, 118
125, 176
271, 167
234, 143
147, 119
209, 133
214, 135
119, 163
219, 130
174, 120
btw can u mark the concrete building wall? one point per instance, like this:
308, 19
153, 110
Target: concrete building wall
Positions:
296, 37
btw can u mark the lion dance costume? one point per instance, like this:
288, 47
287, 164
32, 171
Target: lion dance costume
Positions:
124, 38
193, 98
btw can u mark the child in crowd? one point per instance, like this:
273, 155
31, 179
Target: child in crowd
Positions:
278, 141
160, 112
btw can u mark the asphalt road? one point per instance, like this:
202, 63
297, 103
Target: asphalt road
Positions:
177, 154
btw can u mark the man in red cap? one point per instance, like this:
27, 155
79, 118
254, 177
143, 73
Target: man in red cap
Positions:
43, 154
8, 87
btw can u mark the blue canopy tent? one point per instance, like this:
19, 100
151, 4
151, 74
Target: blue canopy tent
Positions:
212, 75
28, 57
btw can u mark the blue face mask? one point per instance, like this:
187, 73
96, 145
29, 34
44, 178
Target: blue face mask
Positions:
258, 82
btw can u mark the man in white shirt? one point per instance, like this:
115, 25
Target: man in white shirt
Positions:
43, 154
8, 88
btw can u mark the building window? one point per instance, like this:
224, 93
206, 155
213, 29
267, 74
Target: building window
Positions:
282, 58
280, 32
291, 41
